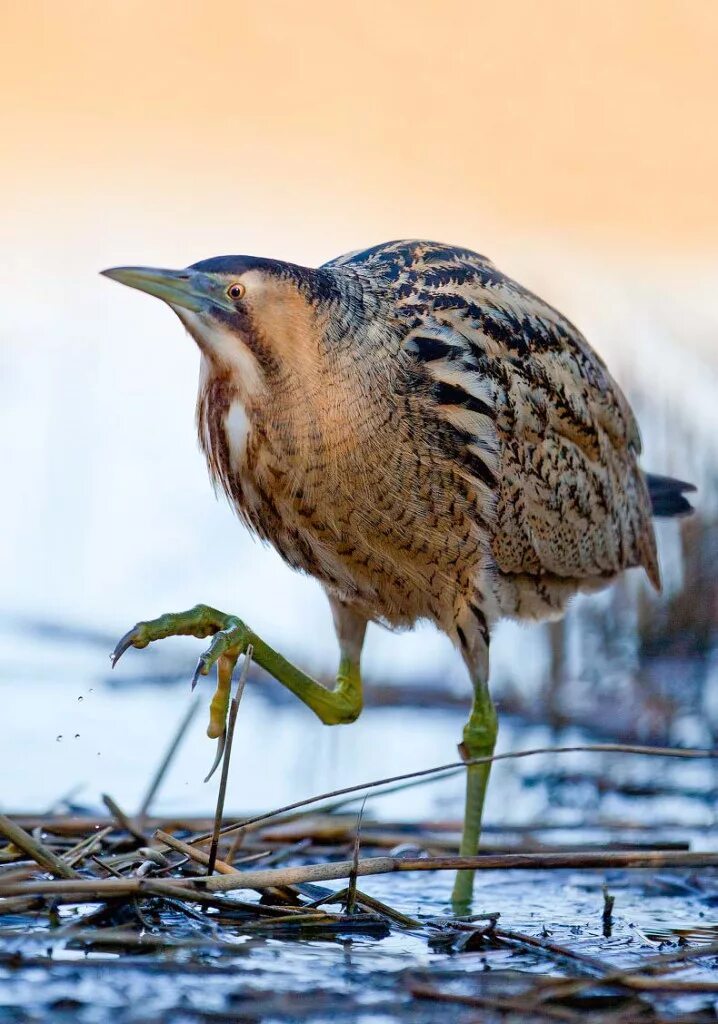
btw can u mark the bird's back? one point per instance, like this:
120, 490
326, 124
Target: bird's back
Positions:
529, 413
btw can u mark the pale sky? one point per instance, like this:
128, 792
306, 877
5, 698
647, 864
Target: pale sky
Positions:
356, 121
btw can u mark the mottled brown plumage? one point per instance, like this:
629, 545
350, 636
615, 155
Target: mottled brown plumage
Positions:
427, 439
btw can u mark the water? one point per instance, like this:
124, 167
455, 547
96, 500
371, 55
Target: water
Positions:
350, 977
280, 754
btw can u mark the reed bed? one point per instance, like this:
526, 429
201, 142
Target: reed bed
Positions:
120, 883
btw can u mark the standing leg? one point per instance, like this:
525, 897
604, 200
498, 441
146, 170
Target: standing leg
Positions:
479, 741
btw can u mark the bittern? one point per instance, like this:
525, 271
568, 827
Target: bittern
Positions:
426, 438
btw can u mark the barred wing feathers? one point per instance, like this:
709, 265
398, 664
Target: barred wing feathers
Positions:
547, 435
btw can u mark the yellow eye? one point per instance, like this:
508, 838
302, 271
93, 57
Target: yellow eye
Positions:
236, 291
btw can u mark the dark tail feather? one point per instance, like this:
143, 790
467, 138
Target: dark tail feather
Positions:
667, 495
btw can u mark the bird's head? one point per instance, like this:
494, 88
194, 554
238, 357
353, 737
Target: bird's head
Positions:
250, 316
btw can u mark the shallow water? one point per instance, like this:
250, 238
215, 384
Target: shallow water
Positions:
366, 978
281, 754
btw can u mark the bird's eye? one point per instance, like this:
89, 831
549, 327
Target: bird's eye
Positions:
235, 291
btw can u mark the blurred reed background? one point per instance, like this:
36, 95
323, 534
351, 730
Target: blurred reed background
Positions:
576, 144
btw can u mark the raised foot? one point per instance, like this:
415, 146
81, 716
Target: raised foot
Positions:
230, 638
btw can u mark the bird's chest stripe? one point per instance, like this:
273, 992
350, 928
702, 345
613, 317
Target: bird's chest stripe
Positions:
237, 429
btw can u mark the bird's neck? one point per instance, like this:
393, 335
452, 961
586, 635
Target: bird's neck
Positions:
303, 425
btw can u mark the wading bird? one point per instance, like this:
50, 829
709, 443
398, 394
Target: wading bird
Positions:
427, 439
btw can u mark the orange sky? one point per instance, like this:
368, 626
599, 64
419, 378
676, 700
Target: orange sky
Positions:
594, 120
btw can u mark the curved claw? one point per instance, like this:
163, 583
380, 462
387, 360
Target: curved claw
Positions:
221, 743
222, 642
201, 670
126, 641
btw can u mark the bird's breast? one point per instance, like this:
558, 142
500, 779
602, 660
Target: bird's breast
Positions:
237, 428
395, 534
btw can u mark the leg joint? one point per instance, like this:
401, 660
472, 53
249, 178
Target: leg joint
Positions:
343, 704
482, 727
342, 714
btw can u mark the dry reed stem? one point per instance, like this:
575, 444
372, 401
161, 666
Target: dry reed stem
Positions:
85, 848
198, 856
123, 820
512, 1004
558, 988
376, 906
352, 886
226, 666
600, 970
40, 853
86, 889
603, 748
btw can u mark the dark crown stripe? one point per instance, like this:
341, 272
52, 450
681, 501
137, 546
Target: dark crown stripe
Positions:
452, 394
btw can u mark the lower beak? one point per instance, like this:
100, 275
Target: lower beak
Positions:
189, 289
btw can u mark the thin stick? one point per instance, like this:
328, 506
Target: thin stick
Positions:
199, 856
422, 990
231, 722
85, 848
86, 889
370, 903
164, 764
558, 988
589, 964
596, 748
106, 867
601, 970
66, 826
607, 915
551, 988
123, 820
40, 853
352, 887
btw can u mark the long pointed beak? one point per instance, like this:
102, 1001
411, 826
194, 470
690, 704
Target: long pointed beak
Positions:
189, 289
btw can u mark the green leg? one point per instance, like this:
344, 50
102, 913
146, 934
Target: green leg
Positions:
479, 741
230, 638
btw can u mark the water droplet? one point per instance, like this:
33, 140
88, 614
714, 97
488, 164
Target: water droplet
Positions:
58, 738
92, 689
80, 698
77, 735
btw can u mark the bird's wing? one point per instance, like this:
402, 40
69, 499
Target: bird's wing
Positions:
548, 437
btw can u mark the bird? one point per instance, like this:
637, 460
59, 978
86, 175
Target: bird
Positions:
426, 438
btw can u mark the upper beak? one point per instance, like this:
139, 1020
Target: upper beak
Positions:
189, 289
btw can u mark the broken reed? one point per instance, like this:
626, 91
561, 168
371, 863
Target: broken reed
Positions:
90, 889
166, 868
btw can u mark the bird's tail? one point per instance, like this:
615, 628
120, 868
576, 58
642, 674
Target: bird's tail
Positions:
668, 495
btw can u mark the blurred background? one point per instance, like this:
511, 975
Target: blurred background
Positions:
575, 144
